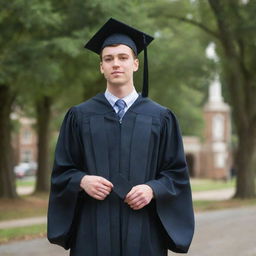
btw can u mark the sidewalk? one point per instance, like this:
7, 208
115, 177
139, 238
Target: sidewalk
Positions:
25, 190
22, 222
220, 194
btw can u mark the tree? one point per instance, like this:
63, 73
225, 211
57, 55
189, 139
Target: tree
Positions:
63, 49
19, 21
45, 68
236, 27
231, 24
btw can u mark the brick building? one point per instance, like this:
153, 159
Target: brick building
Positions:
25, 141
212, 157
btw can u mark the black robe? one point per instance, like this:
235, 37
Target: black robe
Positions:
146, 148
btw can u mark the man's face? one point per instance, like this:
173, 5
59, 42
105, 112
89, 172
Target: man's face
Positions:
118, 64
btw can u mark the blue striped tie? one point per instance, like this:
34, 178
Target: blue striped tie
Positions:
121, 106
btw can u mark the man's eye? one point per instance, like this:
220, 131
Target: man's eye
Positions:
124, 58
107, 59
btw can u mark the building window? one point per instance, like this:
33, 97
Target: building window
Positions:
26, 156
218, 127
26, 136
220, 160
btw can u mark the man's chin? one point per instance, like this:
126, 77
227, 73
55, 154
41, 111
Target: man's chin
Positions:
117, 83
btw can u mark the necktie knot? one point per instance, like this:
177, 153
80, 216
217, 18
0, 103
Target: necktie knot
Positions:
121, 106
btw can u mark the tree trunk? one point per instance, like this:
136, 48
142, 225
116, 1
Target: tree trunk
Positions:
246, 163
7, 178
43, 108
244, 119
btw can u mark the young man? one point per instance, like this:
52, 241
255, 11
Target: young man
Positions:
120, 184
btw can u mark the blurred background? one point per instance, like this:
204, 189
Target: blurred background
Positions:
201, 65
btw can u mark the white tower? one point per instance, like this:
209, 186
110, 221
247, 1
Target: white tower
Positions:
217, 135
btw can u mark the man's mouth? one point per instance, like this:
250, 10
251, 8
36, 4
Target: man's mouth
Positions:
116, 72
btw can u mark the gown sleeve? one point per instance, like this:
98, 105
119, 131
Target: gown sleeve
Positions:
65, 182
172, 187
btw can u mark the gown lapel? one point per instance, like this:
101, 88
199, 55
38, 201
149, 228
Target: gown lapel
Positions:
138, 168
99, 141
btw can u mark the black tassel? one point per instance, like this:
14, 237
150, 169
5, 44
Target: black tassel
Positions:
145, 72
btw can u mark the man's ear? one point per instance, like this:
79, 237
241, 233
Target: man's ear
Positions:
136, 65
101, 69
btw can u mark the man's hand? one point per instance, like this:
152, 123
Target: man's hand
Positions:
96, 186
139, 196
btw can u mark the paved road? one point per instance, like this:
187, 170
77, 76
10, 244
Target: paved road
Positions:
229, 232
218, 233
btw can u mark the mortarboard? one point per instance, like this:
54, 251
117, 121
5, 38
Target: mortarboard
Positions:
116, 32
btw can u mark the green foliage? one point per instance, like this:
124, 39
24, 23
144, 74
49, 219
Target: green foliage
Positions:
21, 24
42, 52
179, 69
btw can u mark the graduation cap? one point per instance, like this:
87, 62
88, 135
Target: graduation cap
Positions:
116, 32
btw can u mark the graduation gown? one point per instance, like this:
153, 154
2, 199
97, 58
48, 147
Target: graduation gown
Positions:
146, 148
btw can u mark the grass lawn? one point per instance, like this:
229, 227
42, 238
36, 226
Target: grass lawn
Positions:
207, 205
22, 233
36, 205
25, 182
197, 184
23, 207
206, 184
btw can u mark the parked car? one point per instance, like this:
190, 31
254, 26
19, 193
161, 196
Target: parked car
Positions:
25, 169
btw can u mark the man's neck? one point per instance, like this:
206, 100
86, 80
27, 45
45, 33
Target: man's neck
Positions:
120, 91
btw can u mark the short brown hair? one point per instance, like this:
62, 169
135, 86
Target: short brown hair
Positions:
114, 45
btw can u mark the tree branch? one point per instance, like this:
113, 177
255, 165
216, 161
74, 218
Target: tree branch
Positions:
197, 24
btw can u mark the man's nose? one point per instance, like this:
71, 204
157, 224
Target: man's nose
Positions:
116, 62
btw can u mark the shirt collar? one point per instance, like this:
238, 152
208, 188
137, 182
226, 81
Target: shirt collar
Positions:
129, 99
